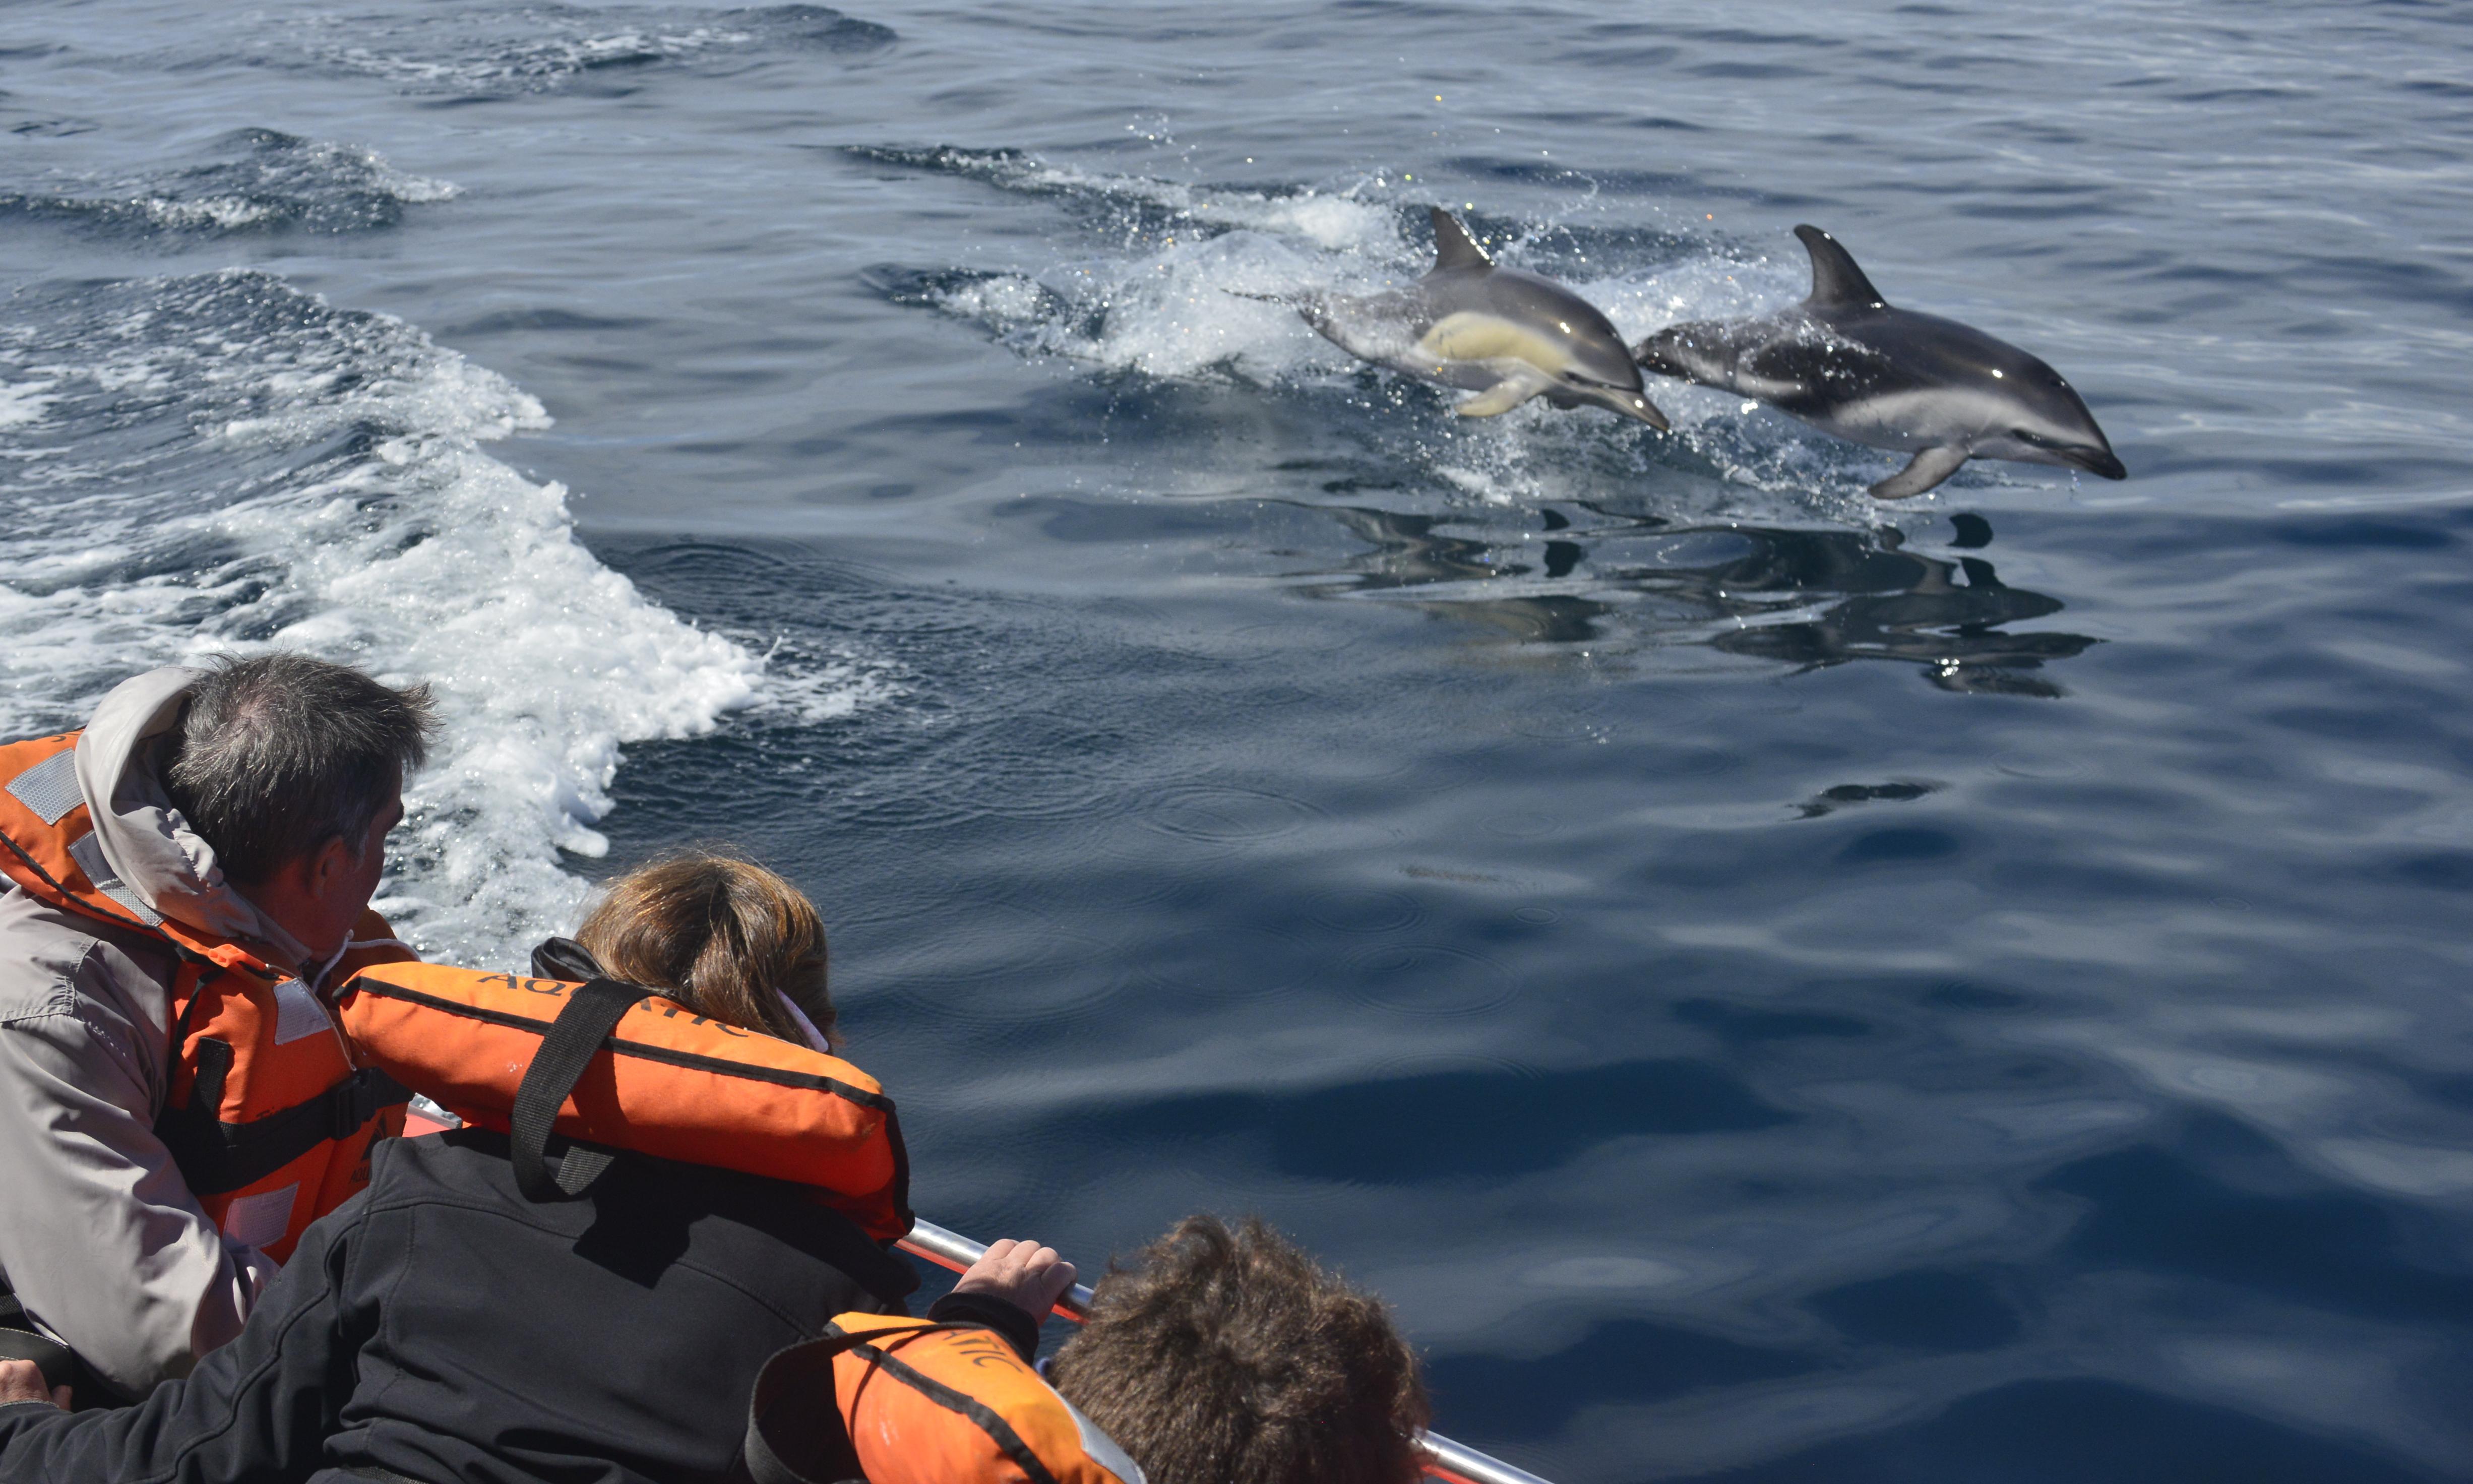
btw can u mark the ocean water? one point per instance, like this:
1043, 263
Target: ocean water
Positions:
1770, 985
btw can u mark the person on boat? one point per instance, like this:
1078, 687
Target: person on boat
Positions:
1227, 1357
1218, 1357
187, 876
446, 1327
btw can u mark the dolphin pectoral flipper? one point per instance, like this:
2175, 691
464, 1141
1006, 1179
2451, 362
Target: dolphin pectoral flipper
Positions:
1922, 472
1505, 395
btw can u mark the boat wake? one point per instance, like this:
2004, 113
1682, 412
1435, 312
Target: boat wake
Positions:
221, 463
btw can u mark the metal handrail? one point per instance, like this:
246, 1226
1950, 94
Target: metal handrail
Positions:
1456, 1463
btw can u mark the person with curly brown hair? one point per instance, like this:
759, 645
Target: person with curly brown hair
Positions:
1224, 1355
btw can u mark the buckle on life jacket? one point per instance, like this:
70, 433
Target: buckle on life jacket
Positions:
360, 1097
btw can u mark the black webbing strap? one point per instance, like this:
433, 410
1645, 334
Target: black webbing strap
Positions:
215, 1156
590, 1014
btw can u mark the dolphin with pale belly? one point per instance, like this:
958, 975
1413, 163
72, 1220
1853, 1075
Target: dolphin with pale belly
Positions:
1847, 362
1506, 335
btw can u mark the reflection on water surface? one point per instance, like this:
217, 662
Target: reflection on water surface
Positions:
1806, 597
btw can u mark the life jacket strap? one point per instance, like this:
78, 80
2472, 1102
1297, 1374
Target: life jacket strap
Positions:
215, 1156
567, 1047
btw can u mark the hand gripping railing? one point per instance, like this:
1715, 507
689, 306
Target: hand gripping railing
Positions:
1454, 1463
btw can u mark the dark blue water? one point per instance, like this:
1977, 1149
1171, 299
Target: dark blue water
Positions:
1771, 986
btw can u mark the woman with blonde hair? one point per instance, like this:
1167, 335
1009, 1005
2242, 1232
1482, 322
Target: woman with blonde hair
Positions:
443, 1328
722, 936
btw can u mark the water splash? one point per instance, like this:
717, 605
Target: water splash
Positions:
492, 52
221, 463
251, 180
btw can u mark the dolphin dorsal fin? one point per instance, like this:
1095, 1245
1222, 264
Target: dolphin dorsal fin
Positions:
1453, 246
1835, 280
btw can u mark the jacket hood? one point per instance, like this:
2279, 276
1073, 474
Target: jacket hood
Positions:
150, 847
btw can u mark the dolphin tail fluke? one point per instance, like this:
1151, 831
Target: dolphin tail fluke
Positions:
1923, 471
1837, 284
1453, 246
1505, 394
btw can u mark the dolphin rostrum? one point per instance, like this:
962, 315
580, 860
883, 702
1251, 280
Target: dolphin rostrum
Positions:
1506, 335
1847, 362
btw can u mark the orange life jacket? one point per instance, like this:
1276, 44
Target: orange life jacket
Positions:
617, 1066
269, 1118
920, 1403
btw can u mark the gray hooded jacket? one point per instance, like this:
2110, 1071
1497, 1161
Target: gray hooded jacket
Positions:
100, 1236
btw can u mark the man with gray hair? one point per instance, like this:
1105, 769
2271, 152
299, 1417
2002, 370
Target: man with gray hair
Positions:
188, 881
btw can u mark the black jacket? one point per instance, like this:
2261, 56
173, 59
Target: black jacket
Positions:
440, 1326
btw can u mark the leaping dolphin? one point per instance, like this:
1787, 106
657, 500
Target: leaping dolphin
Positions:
1506, 335
1847, 362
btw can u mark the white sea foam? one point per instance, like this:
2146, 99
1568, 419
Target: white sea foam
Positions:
536, 63
538, 48
23, 402
1344, 219
1179, 313
1171, 298
221, 463
250, 179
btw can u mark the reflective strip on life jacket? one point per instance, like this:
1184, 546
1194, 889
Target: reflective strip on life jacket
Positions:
49, 836
920, 1403
268, 1118
650, 1076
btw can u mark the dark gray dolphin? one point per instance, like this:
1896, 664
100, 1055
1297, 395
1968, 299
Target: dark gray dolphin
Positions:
1503, 334
1847, 362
